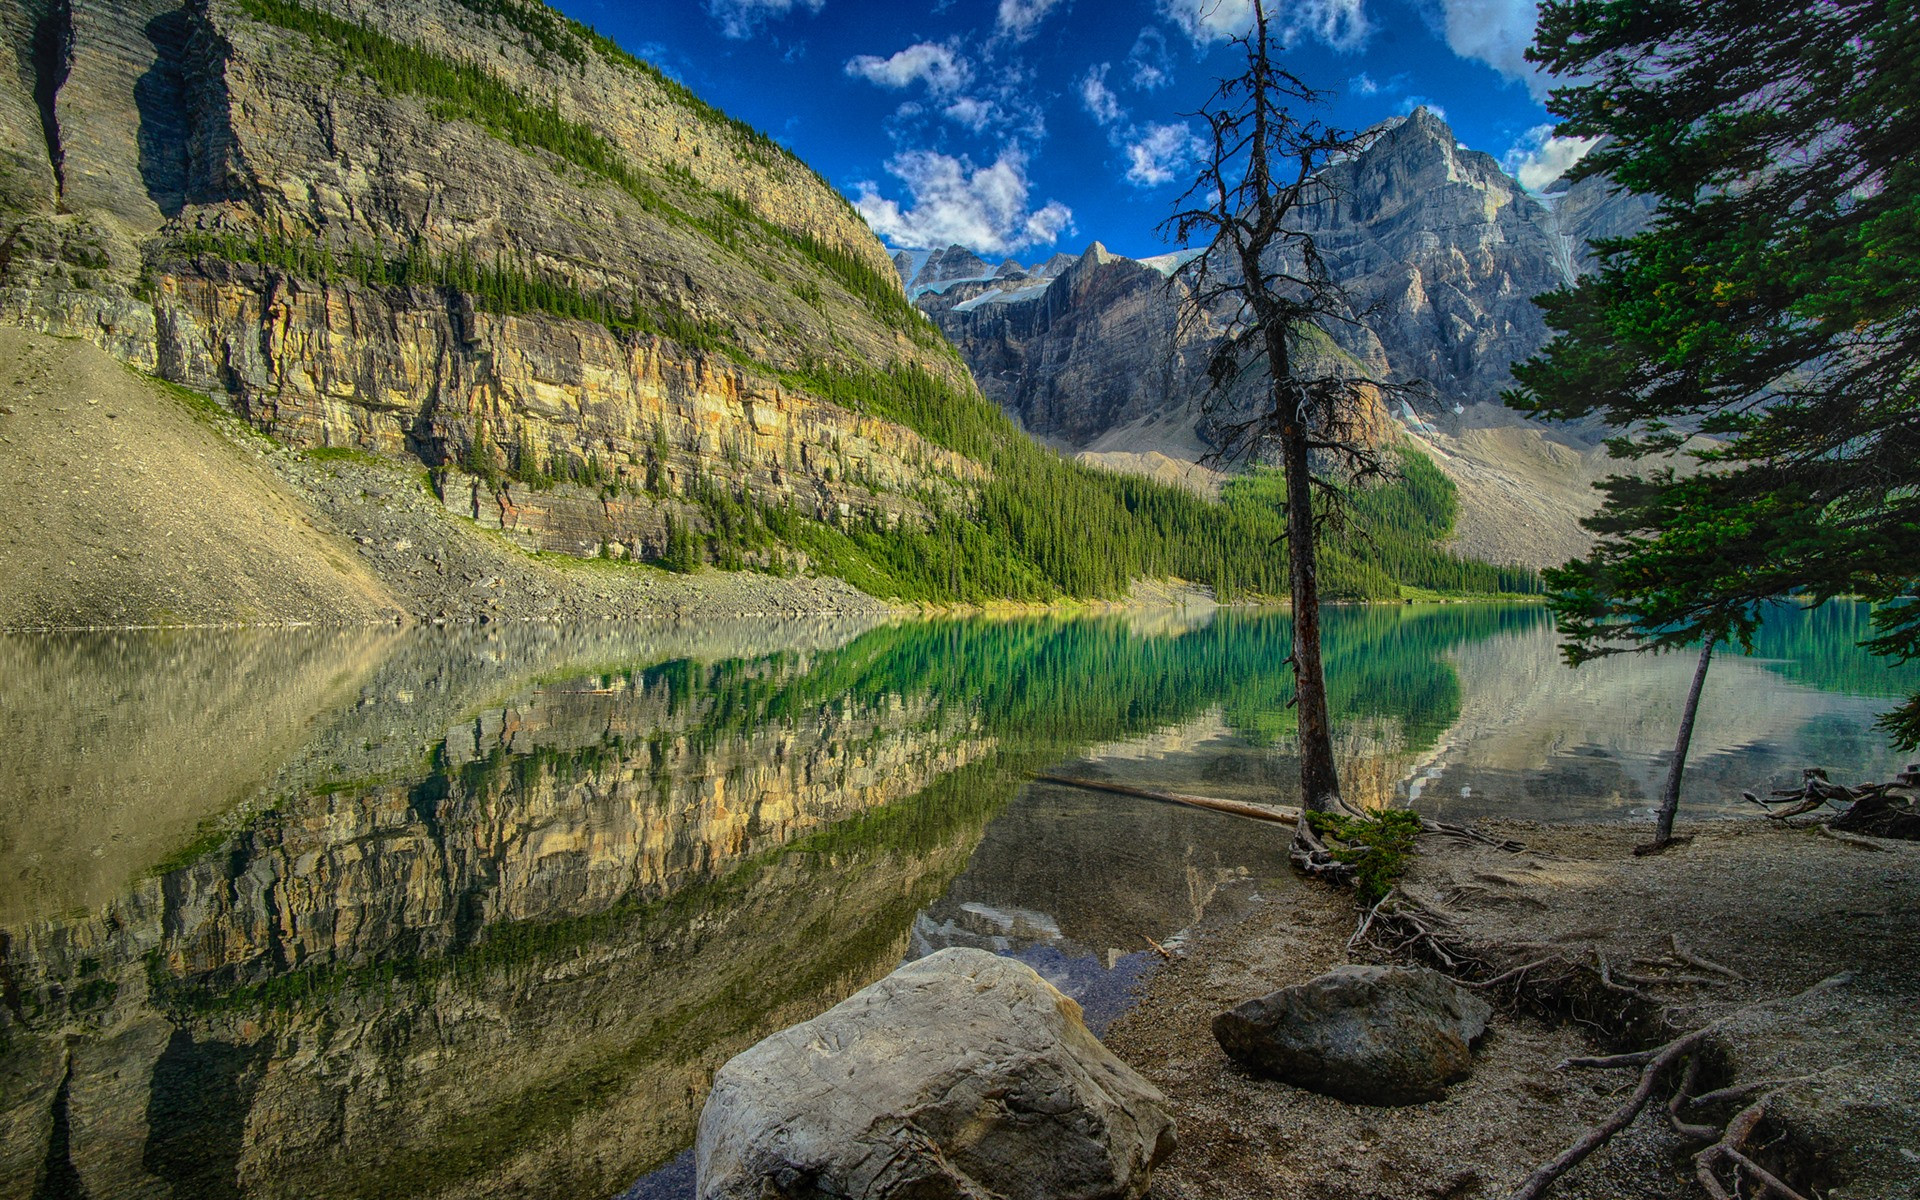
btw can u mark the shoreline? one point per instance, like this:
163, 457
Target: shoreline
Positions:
688, 599
1744, 892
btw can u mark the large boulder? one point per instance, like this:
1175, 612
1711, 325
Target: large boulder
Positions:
1368, 1035
963, 1074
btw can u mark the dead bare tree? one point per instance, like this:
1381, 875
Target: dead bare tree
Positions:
1250, 209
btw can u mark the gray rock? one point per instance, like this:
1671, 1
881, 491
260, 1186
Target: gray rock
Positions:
1441, 252
1368, 1035
963, 1074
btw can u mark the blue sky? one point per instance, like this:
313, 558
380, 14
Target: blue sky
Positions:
1025, 127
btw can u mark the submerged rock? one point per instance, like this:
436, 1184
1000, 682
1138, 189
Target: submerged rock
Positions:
963, 1074
1368, 1035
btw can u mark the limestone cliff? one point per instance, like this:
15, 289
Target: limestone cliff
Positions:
465, 231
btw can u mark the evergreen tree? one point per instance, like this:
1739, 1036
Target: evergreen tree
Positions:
1770, 305
1671, 568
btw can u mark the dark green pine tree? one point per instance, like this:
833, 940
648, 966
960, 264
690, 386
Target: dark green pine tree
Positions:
1680, 560
1771, 306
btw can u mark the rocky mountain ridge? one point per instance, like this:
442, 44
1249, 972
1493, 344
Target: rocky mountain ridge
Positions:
1442, 254
1440, 250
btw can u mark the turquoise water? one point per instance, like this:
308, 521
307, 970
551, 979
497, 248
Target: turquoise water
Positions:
478, 911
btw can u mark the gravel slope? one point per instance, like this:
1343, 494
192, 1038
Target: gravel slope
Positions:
123, 507
129, 504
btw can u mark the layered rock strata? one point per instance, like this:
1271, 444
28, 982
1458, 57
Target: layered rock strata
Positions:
559, 268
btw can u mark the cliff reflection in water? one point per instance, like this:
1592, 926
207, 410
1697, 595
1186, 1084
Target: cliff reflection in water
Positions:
480, 911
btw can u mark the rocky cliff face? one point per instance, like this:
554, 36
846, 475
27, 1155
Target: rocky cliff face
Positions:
1440, 250
463, 230
1090, 349
1442, 254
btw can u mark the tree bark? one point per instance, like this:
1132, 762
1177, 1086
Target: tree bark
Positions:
1319, 782
1670, 795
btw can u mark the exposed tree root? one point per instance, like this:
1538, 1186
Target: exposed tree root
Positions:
1676, 1077
1655, 1066
1857, 842
1684, 955
1728, 1149
1312, 857
1402, 926
1668, 980
1731, 1150
1466, 833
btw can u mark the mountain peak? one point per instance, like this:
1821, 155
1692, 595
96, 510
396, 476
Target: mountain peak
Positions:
1421, 126
955, 262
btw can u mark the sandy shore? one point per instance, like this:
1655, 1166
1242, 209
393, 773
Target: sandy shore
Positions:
1784, 908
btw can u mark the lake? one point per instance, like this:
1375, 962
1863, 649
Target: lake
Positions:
480, 910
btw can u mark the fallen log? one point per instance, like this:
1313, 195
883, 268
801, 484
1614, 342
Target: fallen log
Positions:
1259, 812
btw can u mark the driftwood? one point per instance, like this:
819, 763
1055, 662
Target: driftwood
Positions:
1279, 813
1882, 814
1876, 809
1729, 1145
1259, 812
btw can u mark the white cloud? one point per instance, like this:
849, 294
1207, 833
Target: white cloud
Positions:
1411, 104
1158, 154
980, 94
1539, 157
1363, 84
743, 18
1019, 19
1152, 65
941, 68
1098, 98
1495, 32
1340, 24
975, 113
953, 202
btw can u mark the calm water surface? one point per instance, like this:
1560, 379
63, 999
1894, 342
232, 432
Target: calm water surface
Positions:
478, 912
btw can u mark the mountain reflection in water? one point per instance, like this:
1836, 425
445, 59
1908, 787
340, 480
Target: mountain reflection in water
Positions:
479, 911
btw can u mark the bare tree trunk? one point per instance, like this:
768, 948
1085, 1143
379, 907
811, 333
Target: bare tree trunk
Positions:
1318, 779
1670, 796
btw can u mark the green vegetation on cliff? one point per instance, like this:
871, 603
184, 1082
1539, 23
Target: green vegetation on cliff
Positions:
1389, 537
461, 91
1088, 532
